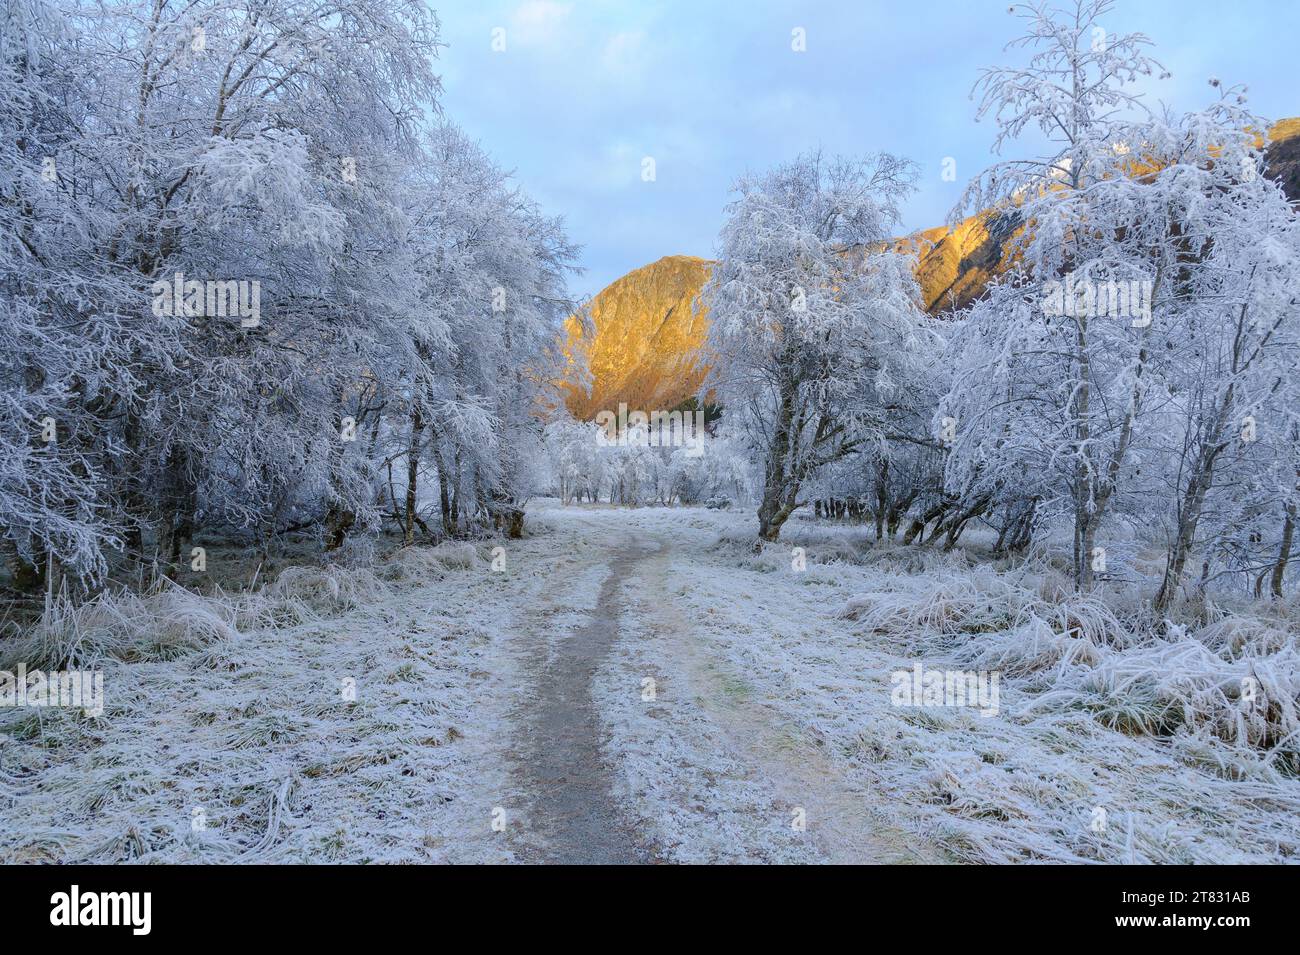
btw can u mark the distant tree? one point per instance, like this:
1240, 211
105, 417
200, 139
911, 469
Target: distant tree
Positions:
814, 324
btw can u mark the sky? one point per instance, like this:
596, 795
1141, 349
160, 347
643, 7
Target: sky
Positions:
575, 96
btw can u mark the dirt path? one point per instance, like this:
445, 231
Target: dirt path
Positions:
564, 777
622, 592
841, 817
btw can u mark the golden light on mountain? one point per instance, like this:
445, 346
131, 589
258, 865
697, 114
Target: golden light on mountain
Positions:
646, 331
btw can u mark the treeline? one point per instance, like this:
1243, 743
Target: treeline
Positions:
1131, 377
586, 466
253, 283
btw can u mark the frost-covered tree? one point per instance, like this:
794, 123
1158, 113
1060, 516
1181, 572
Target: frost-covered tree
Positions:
241, 281
1044, 380
1148, 247
575, 466
813, 318
492, 273
1231, 338
244, 142
54, 508
585, 464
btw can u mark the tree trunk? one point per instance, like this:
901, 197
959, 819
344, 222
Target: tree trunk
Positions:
340, 522
412, 476
455, 495
917, 527
1188, 519
882, 497
773, 513
1087, 542
1284, 554
1189, 512
779, 493
28, 576
891, 521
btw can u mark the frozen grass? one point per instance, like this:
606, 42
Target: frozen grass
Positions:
430, 563
1116, 741
162, 624
1237, 680
230, 709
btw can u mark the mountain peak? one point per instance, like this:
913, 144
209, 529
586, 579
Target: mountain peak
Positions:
644, 338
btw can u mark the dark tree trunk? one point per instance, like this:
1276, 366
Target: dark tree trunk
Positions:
412, 477
28, 576
1284, 554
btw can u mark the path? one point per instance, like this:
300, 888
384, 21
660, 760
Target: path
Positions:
565, 777
565, 765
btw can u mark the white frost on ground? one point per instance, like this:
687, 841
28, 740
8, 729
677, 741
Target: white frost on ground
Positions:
1027, 783
248, 727
771, 704
680, 777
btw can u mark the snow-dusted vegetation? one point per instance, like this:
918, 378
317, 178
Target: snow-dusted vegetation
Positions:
586, 466
253, 285
1111, 743
284, 459
772, 693
1084, 485
1132, 369
337, 715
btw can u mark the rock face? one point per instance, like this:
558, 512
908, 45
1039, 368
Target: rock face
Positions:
955, 264
645, 331
643, 341
1283, 156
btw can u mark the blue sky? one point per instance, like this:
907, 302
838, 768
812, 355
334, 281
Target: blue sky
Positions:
585, 90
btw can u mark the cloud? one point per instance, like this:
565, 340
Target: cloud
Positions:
712, 90
537, 22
